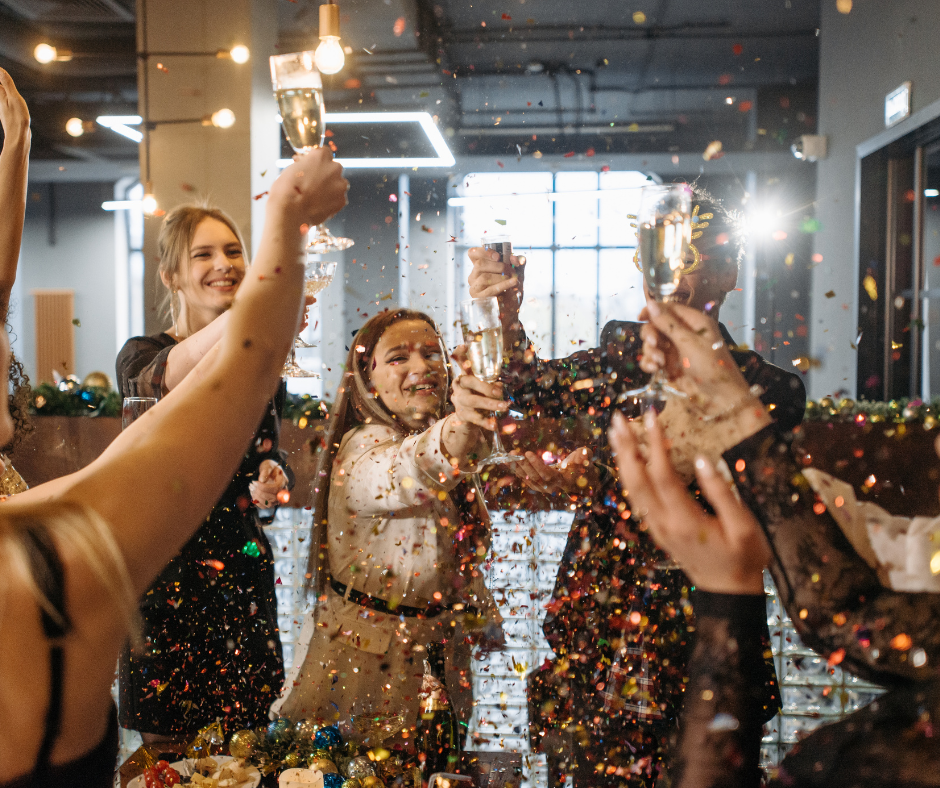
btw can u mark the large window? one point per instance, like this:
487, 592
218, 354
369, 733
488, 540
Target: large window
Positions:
574, 231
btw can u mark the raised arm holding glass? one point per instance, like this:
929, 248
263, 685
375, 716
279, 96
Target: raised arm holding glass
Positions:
76, 555
615, 599
834, 562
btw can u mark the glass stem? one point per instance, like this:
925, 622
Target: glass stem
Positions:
497, 443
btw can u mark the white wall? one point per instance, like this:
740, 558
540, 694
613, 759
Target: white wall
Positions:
863, 56
71, 247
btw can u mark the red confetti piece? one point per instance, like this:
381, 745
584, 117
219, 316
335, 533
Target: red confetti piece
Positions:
393, 198
836, 657
500, 163
352, 84
745, 106
399, 27
329, 133
259, 196
506, 17
605, 168
725, 79
936, 261
589, 152
737, 49
569, 154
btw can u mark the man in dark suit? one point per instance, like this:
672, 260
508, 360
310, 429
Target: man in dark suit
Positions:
619, 621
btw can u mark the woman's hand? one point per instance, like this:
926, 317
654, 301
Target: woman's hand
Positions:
271, 480
687, 345
14, 114
313, 186
723, 554
573, 475
492, 277
475, 401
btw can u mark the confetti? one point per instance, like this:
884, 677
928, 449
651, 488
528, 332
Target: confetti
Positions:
830, 294
399, 27
712, 151
871, 287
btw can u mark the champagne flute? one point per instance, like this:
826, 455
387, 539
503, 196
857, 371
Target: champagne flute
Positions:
298, 89
664, 231
133, 408
483, 334
317, 276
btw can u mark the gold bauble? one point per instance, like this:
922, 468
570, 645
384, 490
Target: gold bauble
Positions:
243, 743
325, 765
97, 380
929, 422
292, 760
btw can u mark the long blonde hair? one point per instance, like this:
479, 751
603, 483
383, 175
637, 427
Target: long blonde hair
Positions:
75, 528
356, 403
174, 242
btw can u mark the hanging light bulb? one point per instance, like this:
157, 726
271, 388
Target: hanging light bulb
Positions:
149, 203
329, 55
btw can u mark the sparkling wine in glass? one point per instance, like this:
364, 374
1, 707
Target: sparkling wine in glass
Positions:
483, 334
298, 89
664, 231
317, 276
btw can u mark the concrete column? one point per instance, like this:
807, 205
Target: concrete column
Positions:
189, 161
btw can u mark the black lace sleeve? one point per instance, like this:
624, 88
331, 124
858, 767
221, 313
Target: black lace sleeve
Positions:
836, 602
719, 744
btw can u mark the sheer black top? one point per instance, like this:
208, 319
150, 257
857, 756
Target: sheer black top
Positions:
842, 611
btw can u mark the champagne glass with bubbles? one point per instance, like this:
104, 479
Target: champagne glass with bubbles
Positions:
664, 231
483, 334
317, 276
298, 89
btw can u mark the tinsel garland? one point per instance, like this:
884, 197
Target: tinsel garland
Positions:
896, 411
75, 400
68, 399
49, 400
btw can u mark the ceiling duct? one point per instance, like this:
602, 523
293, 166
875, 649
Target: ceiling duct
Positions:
74, 11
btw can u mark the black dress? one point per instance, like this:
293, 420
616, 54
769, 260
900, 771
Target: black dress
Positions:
94, 769
212, 648
841, 610
609, 588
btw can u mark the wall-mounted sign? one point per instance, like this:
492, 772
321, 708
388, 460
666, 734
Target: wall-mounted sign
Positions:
898, 104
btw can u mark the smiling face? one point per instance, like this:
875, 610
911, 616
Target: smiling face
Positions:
209, 279
408, 372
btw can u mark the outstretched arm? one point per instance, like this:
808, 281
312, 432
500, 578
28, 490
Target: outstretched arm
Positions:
14, 169
158, 480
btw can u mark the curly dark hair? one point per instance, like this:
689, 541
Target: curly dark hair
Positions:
21, 395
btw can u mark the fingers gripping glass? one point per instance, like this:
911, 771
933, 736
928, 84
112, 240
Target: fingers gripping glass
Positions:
317, 276
664, 230
298, 89
483, 335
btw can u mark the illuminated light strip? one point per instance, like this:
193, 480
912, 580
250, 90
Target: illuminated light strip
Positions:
122, 205
547, 196
121, 124
444, 157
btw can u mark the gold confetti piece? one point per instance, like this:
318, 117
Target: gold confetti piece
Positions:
871, 287
713, 149
806, 363
844, 6
639, 17
896, 345
788, 260
831, 294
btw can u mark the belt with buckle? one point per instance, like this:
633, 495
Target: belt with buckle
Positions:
383, 606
